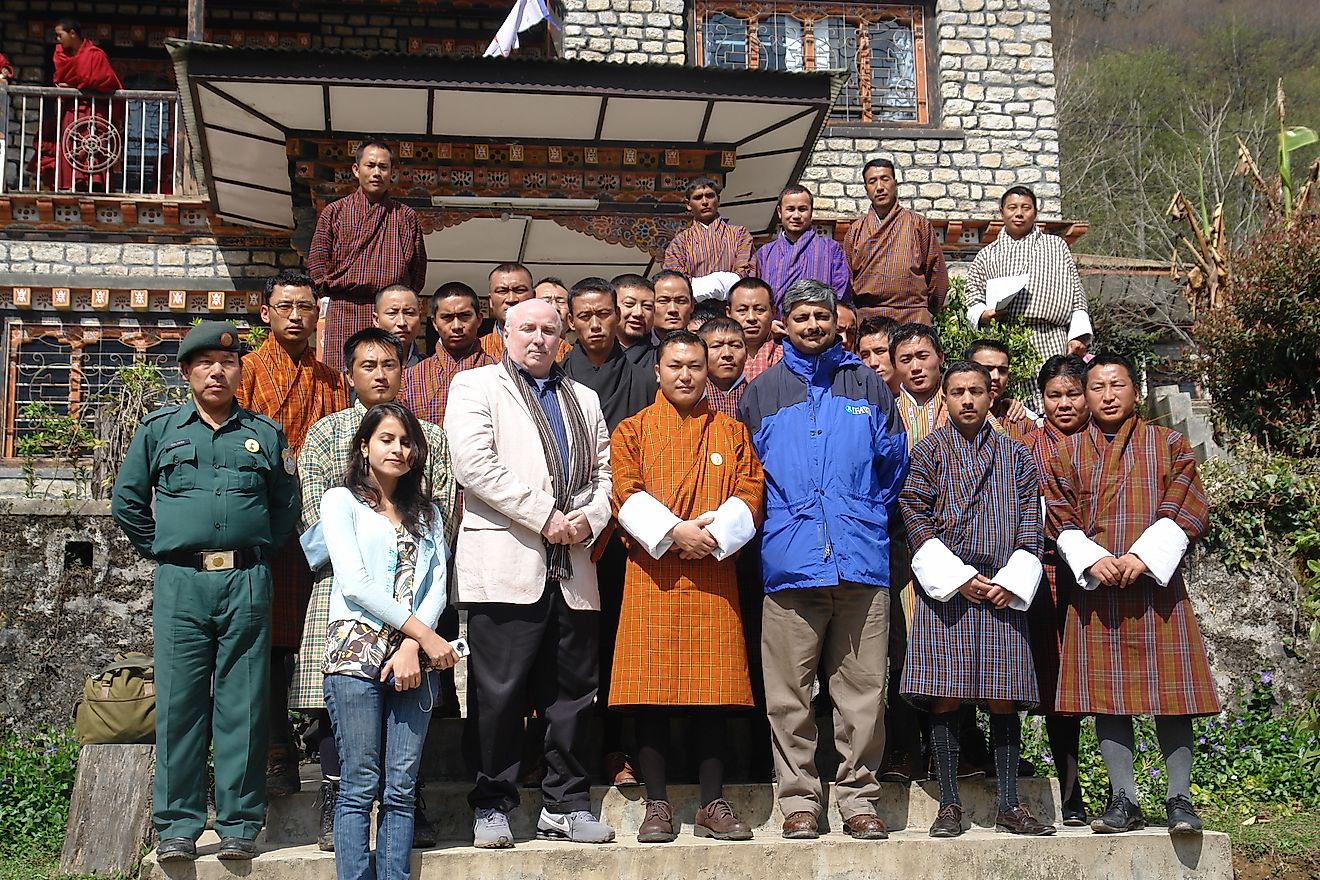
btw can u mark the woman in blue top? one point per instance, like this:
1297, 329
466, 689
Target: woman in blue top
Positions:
387, 548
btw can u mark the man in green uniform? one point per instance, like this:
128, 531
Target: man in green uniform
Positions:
224, 495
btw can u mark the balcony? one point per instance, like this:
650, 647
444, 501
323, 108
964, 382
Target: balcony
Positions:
62, 142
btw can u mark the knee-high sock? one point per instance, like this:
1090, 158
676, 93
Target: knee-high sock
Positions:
328, 750
653, 749
1175, 735
710, 735
1006, 741
1116, 744
1065, 733
944, 729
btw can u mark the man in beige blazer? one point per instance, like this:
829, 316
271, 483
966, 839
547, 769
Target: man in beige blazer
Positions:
531, 450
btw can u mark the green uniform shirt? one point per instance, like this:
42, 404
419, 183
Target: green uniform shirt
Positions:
228, 488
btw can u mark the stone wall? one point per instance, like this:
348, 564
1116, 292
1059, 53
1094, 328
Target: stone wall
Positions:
997, 126
199, 259
629, 31
73, 592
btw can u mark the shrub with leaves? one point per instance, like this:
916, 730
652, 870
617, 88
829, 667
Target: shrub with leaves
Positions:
956, 334
1262, 346
1254, 754
37, 771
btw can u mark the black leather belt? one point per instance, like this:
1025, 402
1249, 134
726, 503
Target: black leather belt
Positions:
213, 560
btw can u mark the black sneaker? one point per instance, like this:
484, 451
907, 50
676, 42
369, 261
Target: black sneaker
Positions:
1122, 815
424, 834
325, 840
1182, 818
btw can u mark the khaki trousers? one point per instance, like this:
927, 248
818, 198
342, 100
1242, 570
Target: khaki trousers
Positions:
846, 628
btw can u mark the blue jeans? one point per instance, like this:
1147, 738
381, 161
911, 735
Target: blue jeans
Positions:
379, 732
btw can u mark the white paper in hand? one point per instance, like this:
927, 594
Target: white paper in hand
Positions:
1001, 292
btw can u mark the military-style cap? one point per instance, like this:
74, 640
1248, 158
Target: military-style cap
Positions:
209, 336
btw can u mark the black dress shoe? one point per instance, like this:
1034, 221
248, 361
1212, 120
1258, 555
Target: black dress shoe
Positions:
1182, 818
1122, 815
237, 849
1073, 811
176, 849
1018, 820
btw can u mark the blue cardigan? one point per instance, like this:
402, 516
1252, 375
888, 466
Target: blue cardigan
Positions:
364, 551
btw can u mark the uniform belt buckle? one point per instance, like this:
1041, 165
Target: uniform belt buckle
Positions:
217, 560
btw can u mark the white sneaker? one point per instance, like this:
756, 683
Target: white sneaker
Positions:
490, 829
579, 826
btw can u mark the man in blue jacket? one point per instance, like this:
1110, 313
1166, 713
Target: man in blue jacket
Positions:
835, 455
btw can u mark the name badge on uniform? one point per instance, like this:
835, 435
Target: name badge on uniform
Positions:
716, 459
251, 445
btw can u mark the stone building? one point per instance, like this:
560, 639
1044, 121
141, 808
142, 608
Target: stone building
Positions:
571, 154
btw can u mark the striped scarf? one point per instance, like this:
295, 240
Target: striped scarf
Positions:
580, 460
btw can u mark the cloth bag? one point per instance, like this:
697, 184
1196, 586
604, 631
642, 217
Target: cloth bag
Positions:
119, 702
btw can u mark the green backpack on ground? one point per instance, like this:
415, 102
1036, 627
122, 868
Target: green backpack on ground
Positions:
119, 702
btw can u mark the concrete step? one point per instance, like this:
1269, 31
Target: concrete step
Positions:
293, 820
911, 855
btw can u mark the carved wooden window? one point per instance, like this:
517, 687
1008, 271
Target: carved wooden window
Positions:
882, 46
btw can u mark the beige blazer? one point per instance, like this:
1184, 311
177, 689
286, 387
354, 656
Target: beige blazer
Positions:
507, 497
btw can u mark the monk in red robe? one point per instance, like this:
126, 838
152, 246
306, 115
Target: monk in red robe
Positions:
81, 145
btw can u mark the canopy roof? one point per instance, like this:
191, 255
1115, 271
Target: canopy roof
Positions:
242, 106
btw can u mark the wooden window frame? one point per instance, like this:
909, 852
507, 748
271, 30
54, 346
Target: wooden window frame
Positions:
917, 16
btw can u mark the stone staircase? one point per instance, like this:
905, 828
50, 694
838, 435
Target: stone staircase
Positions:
288, 850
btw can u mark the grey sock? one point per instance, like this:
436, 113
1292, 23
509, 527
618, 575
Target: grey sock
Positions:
1175, 735
1116, 743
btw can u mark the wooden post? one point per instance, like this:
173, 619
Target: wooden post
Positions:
196, 16
110, 813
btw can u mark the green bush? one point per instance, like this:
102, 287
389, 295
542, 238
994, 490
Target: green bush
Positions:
1243, 757
956, 334
36, 780
1262, 346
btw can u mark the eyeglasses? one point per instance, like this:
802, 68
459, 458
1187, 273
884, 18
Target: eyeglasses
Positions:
289, 308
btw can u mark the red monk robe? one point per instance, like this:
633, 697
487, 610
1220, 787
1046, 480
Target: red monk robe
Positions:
87, 69
680, 640
296, 395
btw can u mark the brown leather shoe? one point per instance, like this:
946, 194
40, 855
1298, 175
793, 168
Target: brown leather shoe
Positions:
948, 823
619, 770
801, 826
865, 826
658, 824
1018, 821
718, 820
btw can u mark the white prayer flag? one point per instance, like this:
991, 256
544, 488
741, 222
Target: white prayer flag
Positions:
525, 14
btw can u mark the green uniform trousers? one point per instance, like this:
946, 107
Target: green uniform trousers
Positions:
212, 635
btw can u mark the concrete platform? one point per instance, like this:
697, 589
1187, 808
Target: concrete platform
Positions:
910, 855
288, 852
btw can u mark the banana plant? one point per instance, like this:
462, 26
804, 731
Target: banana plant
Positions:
1290, 139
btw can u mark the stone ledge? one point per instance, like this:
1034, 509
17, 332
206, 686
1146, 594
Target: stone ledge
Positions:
876, 132
1143, 855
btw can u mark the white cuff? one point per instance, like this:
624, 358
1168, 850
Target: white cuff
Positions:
939, 571
650, 522
732, 527
1161, 547
1020, 576
714, 286
974, 313
1080, 325
1080, 552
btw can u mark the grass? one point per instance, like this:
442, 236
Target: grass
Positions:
33, 864
1282, 840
